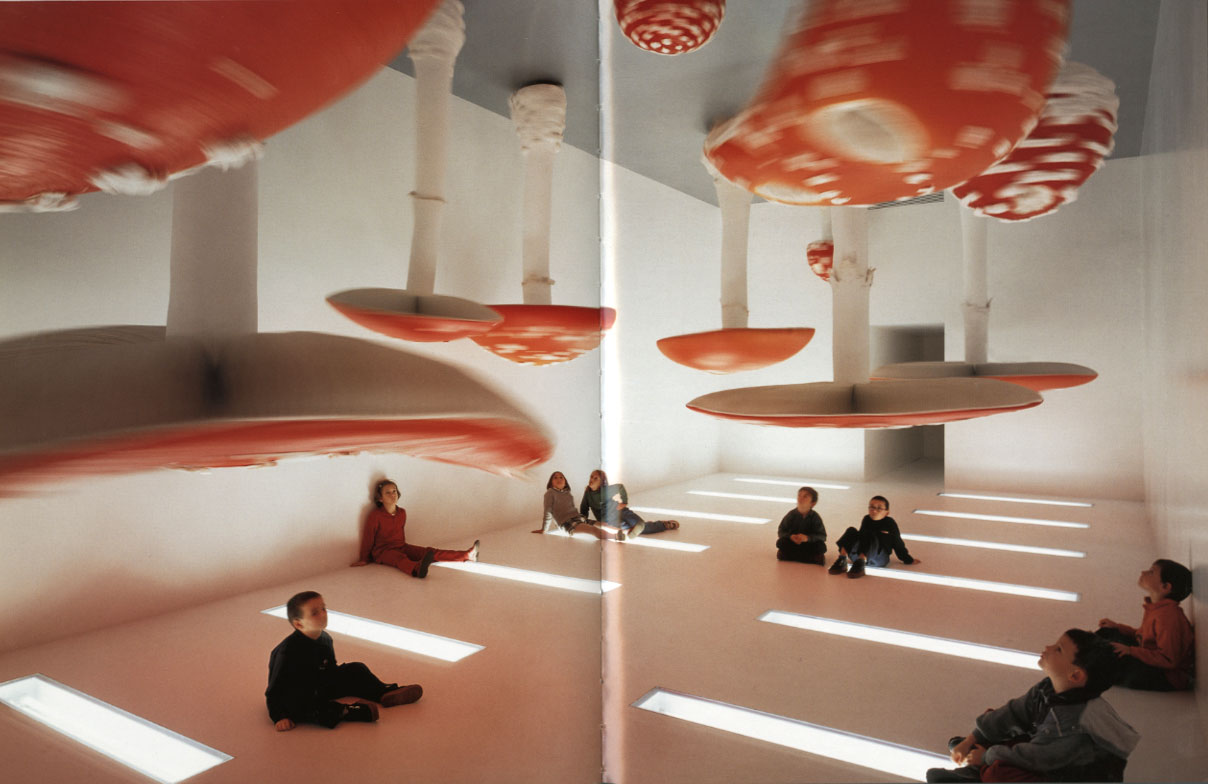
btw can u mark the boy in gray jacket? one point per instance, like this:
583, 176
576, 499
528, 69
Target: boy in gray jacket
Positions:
1060, 730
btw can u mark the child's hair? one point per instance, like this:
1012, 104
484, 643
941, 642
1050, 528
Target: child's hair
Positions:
377, 491
293, 608
550, 484
1097, 659
603, 477
813, 493
882, 499
1178, 576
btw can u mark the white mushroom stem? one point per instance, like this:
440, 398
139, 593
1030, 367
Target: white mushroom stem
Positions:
215, 217
828, 234
433, 51
850, 281
976, 305
539, 114
735, 203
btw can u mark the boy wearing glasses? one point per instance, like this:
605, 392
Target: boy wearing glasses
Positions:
878, 535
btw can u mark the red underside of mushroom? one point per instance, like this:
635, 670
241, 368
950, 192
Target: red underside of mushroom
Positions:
869, 405
89, 87
736, 349
491, 444
545, 334
415, 327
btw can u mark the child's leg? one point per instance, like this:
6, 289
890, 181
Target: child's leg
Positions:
451, 555
1136, 674
849, 542
405, 559
997, 771
355, 679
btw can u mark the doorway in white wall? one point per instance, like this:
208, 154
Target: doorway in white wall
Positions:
890, 450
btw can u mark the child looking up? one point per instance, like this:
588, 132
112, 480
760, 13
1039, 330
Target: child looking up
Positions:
1159, 656
384, 539
878, 535
304, 680
801, 535
1060, 730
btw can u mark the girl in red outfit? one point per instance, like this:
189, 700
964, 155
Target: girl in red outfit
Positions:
384, 541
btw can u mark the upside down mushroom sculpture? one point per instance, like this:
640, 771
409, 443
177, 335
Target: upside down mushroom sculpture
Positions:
1046, 169
121, 97
669, 26
734, 347
417, 313
538, 332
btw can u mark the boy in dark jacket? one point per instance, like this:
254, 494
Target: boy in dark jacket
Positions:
1060, 730
878, 535
304, 681
801, 535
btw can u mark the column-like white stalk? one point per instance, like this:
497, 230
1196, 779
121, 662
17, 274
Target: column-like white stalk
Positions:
828, 233
850, 281
976, 305
215, 218
735, 203
433, 50
539, 114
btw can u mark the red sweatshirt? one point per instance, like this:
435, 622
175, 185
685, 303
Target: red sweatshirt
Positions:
383, 531
1165, 640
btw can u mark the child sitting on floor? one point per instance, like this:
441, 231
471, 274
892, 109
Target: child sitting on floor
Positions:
878, 535
1060, 730
304, 680
801, 535
1159, 656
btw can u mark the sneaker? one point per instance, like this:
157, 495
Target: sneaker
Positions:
839, 566
403, 695
622, 535
421, 571
474, 552
361, 711
857, 569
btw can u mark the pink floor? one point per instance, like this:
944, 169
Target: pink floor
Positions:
528, 708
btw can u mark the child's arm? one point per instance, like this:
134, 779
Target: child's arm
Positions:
1013, 718
899, 547
1172, 646
1108, 623
368, 535
1046, 756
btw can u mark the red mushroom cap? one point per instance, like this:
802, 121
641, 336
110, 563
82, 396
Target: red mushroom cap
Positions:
1067, 146
123, 94
869, 102
545, 334
669, 26
736, 349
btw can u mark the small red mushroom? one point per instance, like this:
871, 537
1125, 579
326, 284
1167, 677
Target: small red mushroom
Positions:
669, 26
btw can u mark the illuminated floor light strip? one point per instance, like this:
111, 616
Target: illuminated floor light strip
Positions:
1014, 500
921, 642
744, 496
536, 578
846, 747
975, 585
675, 514
645, 541
400, 637
1001, 518
792, 483
1015, 548
148, 748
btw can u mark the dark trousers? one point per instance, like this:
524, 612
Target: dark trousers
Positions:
1134, 673
806, 552
353, 679
863, 544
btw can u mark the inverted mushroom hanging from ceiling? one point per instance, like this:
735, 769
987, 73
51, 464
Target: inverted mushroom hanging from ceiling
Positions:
538, 332
874, 102
1042, 173
734, 347
121, 97
417, 313
851, 400
209, 391
669, 26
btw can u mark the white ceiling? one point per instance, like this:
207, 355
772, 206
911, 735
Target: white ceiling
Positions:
659, 108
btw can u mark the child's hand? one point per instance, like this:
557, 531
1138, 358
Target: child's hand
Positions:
912, 563
1107, 623
961, 752
975, 756
359, 563
797, 538
1120, 648
285, 725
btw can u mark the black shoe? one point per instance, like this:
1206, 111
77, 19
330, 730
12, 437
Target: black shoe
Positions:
819, 559
421, 571
839, 566
361, 711
404, 695
857, 569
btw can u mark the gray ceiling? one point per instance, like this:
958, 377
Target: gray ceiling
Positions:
659, 108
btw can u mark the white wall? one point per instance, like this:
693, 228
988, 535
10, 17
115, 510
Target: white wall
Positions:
334, 215
1174, 190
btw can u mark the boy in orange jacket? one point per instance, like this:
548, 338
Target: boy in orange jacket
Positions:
1160, 655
